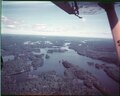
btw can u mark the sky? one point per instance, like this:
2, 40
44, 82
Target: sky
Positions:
45, 18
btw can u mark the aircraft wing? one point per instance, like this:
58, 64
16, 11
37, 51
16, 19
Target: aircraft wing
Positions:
84, 8
65, 6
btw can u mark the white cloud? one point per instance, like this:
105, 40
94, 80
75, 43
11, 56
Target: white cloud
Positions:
11, 23
4, 19
11, 26
22, 25
39, 27
7, 21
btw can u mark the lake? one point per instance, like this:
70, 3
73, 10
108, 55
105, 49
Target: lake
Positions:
53, 64
16, 44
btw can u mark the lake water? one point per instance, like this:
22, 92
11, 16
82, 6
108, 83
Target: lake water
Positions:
53, 64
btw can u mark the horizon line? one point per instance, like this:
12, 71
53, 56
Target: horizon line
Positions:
56, 35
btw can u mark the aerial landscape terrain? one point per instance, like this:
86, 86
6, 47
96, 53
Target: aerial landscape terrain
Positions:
51, 65
60, 48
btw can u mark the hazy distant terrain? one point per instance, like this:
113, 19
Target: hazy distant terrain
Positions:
39, 60
102, 49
